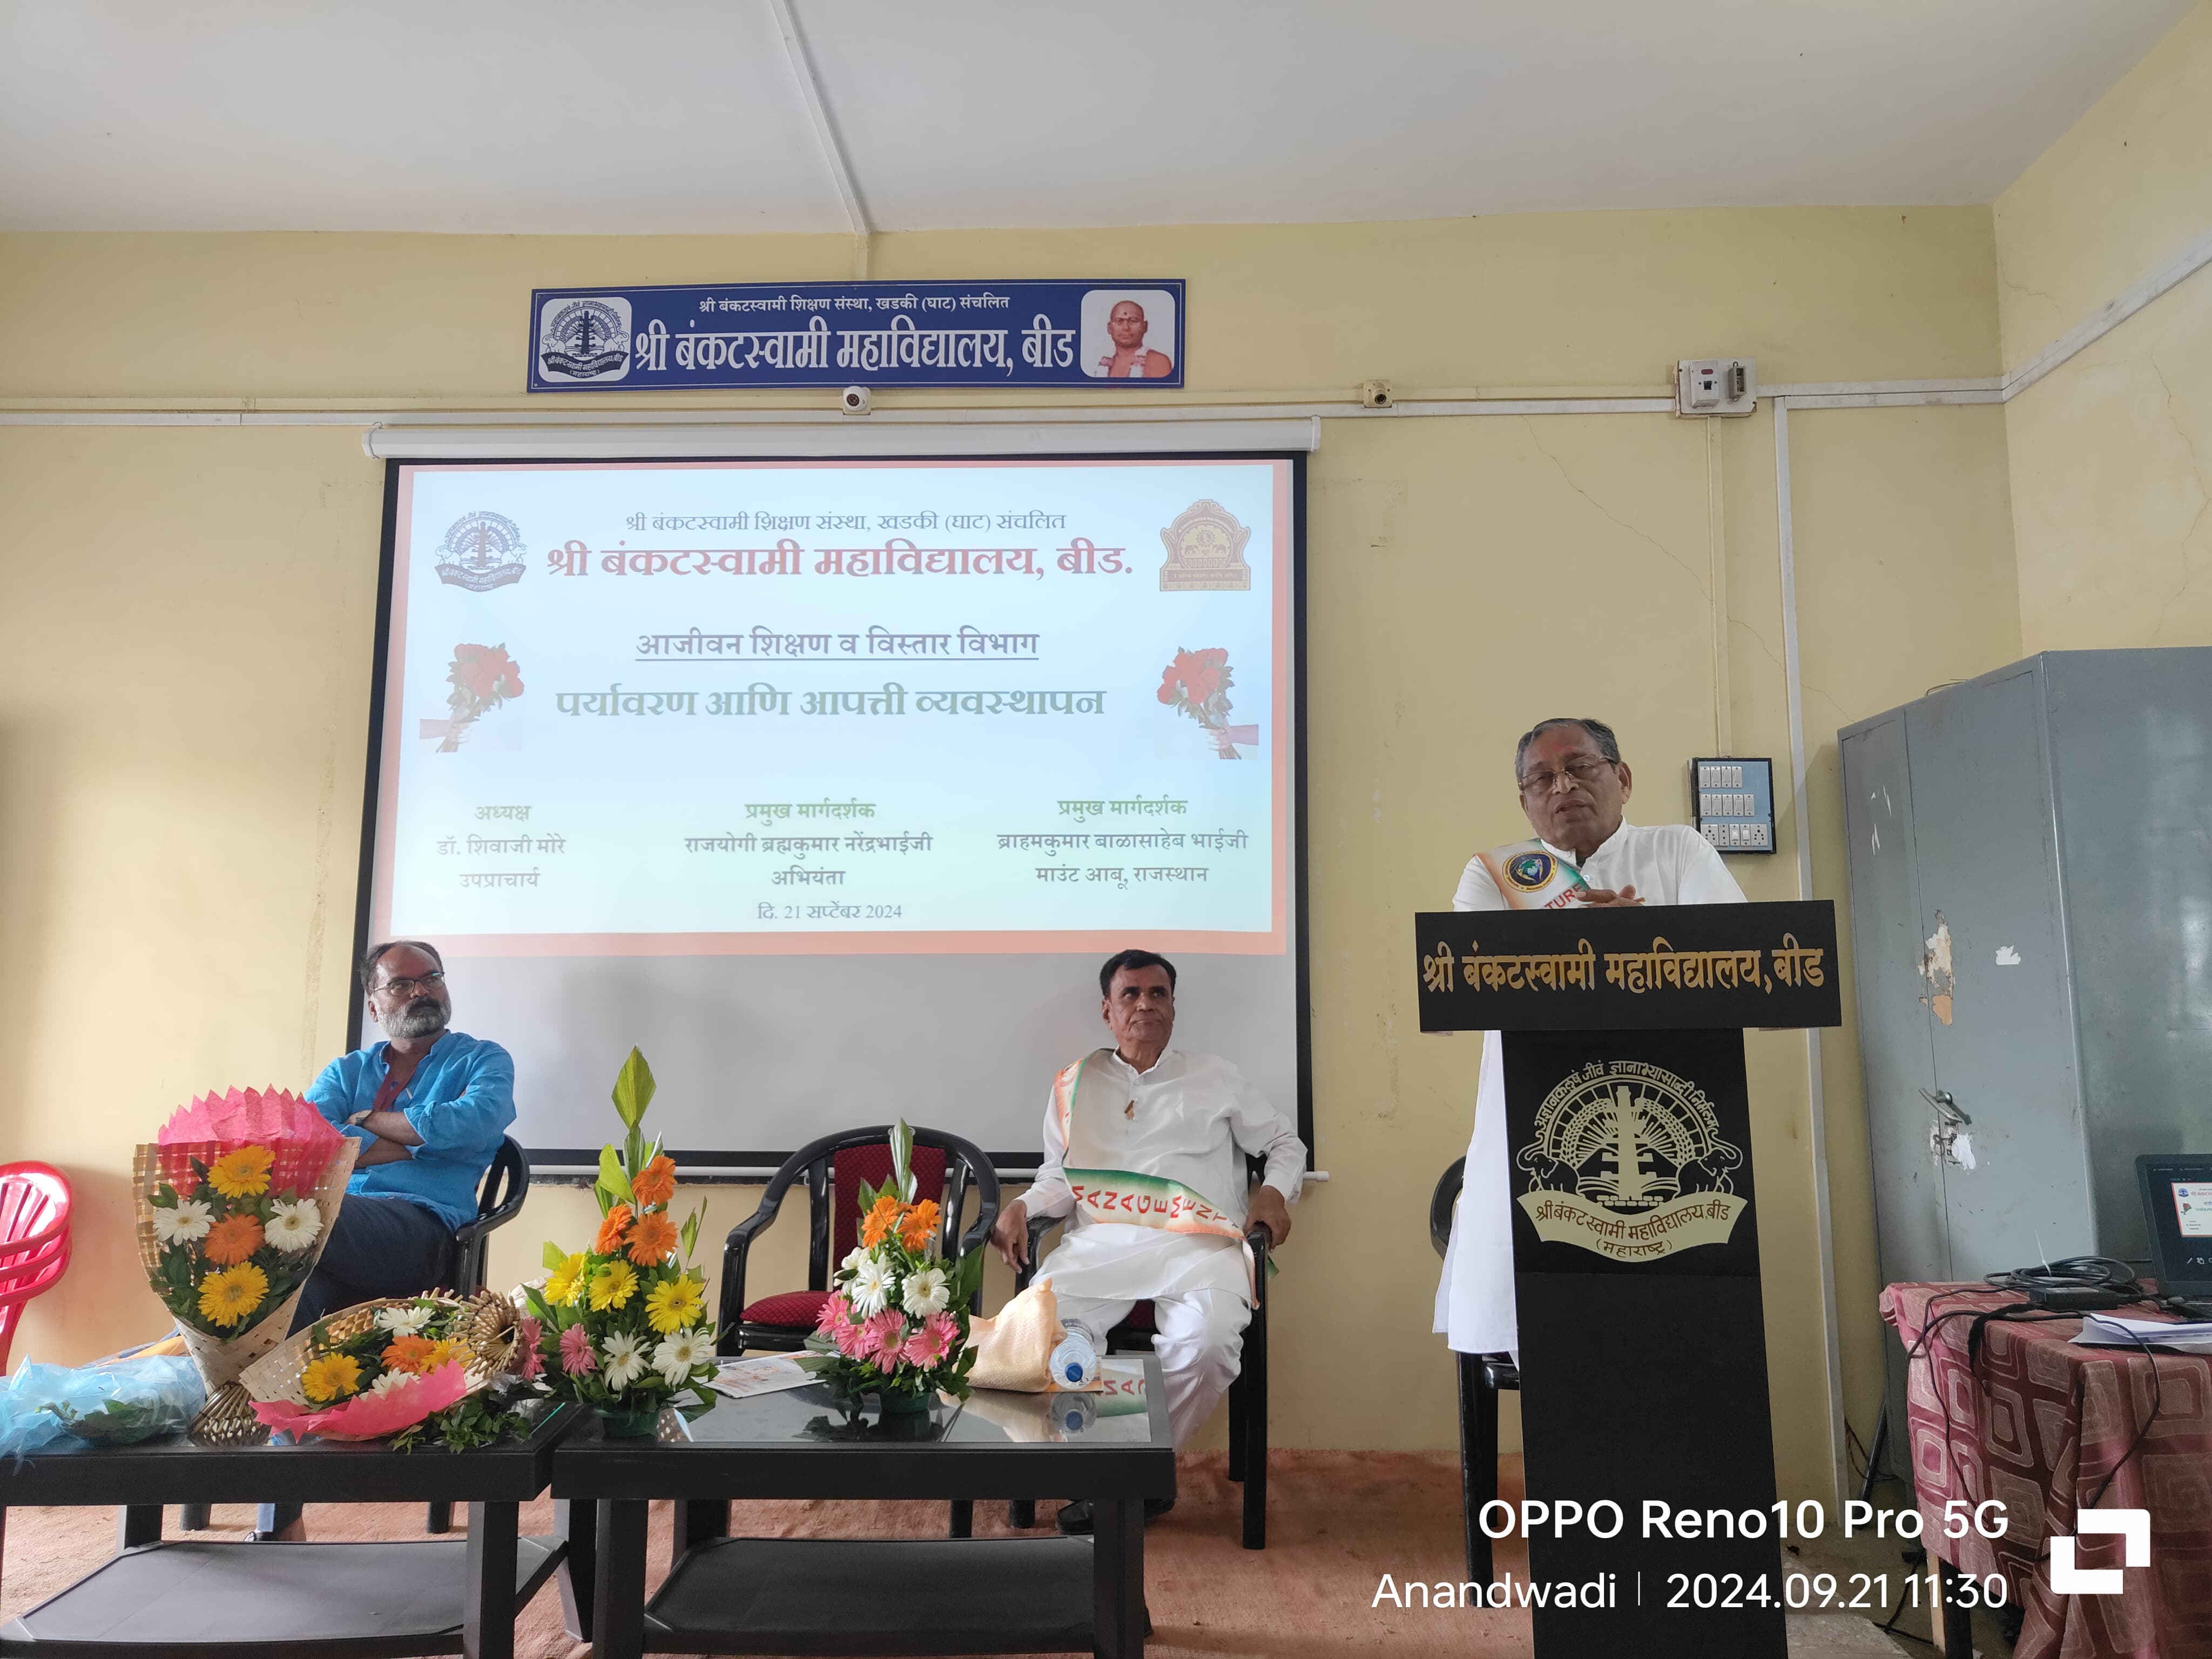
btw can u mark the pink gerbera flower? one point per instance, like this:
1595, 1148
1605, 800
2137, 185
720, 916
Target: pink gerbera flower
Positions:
848, 1337
528, 1332
576, 1356
881, 1338
932, 1340
834, 1313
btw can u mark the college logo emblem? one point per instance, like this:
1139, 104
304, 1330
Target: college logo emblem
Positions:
1531, 872
1206, 552
482, 551
1628, 1161
585, 340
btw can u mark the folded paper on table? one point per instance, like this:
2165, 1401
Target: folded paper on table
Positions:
744, 1379
2109, 1331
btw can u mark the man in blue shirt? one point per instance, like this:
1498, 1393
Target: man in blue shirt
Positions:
429, 1106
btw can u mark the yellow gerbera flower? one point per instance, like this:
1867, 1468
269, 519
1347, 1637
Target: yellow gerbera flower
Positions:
443, 1351
243, 1173
613, 1285
334, 1377
673, 1304
565, 1282
232, 1296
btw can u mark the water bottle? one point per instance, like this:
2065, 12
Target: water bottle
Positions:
1074, 1413
1074, 1361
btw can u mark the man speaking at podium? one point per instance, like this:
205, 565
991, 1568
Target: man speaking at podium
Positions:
1573, 785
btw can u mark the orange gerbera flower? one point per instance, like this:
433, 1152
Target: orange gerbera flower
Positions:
233, 1239
920, 1223
651, 1240
616, 1223
881, 1221
408, 1353
656, 1182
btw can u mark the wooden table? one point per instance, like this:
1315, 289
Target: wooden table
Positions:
769, 1595
267, 1600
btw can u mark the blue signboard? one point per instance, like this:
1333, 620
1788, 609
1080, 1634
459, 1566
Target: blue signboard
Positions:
871, 334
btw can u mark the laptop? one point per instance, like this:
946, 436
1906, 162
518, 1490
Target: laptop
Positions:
2177, 1196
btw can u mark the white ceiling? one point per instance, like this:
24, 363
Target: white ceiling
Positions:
644, 116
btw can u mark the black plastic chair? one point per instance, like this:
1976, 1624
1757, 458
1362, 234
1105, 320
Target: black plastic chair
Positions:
1481, 1375
833, 1168
1247, 1395
499, 1200
506, 1184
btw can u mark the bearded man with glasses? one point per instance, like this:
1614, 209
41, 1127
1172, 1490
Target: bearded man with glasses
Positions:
430, 1106
1573, 787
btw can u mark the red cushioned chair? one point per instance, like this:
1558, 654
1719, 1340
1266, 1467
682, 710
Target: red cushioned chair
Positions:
1247, 1395
35, 1239
943, 1166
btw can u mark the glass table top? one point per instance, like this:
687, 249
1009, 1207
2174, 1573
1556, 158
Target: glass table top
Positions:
1118, 1415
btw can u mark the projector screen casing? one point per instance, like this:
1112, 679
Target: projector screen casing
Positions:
948, 1040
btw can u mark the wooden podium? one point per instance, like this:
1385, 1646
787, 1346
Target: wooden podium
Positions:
1636, 1250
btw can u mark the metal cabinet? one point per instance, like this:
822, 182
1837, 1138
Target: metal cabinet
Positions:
2031, 906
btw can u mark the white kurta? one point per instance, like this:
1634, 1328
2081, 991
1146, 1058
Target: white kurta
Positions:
1666, 863
1195, 1120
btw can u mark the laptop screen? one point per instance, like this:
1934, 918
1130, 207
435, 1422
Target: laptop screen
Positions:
2176, 1193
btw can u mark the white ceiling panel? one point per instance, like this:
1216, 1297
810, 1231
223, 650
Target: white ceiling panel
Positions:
686, 115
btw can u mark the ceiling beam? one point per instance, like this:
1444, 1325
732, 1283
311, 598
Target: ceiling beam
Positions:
825, 132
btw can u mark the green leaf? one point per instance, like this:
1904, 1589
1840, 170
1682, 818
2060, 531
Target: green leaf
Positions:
612, 1180
554, 1256
690, 1230
633, 1091
901, 1160
966, 1279
868, 1196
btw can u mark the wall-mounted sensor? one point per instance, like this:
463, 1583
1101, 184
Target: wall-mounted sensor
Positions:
856, 400
1716, 385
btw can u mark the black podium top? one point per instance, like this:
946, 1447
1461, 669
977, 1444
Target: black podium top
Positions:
1641, 968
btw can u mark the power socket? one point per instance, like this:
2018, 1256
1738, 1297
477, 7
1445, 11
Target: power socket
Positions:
1716, 385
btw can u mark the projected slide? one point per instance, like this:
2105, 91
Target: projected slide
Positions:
745, 708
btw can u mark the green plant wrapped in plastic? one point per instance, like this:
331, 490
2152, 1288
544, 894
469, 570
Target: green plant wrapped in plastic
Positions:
111, 1402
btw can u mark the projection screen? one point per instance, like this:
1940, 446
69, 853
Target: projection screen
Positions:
829, 785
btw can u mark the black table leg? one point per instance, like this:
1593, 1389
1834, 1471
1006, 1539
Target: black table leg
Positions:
618, 1586
577, 1519
1117, 1578
696, 1520
488, 1616
962, 1523
1954, 1623
137, 1524
195, 1517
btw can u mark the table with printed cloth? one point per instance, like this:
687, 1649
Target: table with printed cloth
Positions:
2037, 1423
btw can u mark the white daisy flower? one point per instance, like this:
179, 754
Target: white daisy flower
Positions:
400, 1321
295, 1226
391, 1379
679, 1355
625, 1360
871, 1289
927, 1292
186, 1224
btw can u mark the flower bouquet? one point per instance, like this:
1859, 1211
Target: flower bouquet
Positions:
1197, 683
482, 677
235, 1198
420, 1370
620, 1325
896, 1318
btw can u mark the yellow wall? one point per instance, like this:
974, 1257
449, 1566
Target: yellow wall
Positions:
2112, 454
186, 620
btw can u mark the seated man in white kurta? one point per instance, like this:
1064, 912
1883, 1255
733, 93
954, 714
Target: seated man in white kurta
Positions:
1148, 1132
1573, 787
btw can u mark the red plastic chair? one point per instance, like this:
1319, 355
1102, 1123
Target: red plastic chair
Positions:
35, 1239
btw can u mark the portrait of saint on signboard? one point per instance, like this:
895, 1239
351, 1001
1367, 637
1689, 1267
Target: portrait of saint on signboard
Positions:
1128, 334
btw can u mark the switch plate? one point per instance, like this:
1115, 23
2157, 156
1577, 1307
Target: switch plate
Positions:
1717, 385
